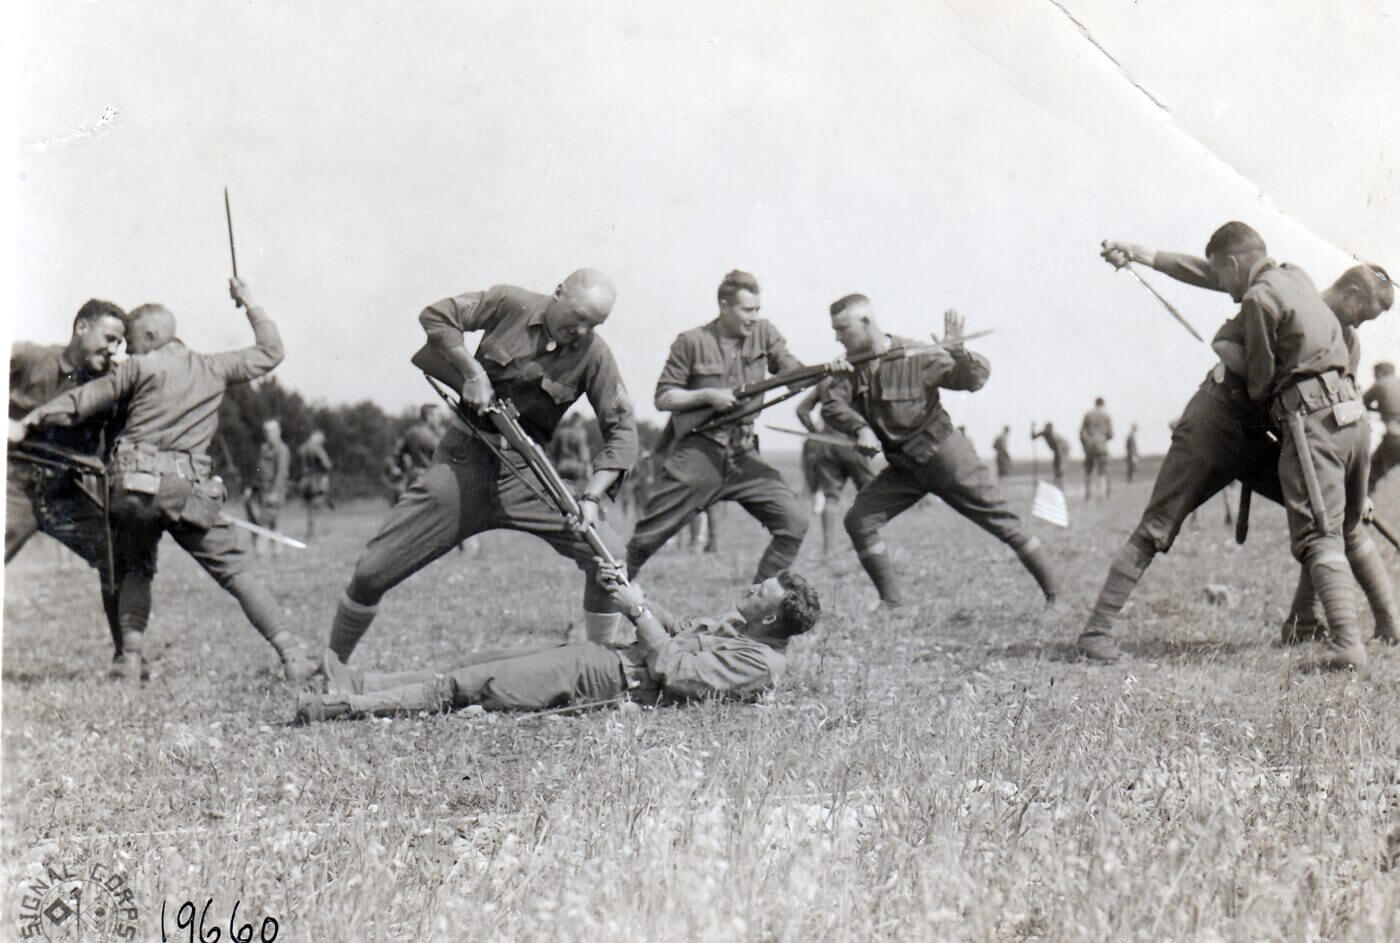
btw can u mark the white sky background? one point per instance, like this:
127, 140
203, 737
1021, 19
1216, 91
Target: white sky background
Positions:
964, 154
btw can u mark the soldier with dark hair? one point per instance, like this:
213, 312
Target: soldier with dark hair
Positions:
66, 505
161, 477
706, 365
739, 654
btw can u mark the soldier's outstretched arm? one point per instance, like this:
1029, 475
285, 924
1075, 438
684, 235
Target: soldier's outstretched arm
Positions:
1191, 269
240, 366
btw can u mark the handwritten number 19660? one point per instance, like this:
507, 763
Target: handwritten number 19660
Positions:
184, 920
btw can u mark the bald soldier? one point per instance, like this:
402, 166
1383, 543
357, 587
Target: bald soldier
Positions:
161, 477
541, 352
895, 405
1384, 398
64, 504
1223, 435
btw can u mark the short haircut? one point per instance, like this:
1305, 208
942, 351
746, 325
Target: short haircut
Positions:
1385, 368
1371, 279
800, 607
840, 305
95, 309
426, 410
735, 282
1098, 401
1233, 238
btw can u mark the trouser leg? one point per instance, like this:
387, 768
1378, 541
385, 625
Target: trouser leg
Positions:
689, 481
892, 492
760, 489
1317, 532
554, 677
957, 476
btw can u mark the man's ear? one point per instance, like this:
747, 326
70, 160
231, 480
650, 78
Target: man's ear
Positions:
770, 618
559, 291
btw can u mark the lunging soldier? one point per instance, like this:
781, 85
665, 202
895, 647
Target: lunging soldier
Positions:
895, 406
161, 476
541, 352
1224, 432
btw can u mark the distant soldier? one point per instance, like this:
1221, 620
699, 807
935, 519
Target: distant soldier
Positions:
1059, 450
315, 483
1131, 451
161, 475
736, 655
64, 504
569, 451
704, 368
269, 491
831, 466
413, 452
1094, 434
1384, 398
1001, 445
895, 406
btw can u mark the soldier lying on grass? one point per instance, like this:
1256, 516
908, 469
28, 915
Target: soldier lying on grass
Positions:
738, 654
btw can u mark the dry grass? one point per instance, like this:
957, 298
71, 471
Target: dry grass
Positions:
948, 774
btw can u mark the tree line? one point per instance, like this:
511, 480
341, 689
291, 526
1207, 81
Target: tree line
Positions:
359, 436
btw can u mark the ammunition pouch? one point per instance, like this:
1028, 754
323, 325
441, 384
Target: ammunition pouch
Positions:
1326, 391
181, 485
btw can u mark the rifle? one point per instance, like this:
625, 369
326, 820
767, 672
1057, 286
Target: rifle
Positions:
705, 418
549, 487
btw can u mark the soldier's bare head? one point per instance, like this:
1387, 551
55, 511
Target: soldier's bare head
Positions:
580, 303
99, 330
853, 321
783, 605
739, 303
1384, 368
1232, 253
1362, 293
151, 327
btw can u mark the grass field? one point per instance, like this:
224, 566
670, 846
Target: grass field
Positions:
950, 773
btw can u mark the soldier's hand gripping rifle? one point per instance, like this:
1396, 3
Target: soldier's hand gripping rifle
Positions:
549, 487
750, 398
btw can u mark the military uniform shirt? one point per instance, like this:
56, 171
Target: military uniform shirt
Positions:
711, 658
542, 378
702, 359
1289, 331
899, 399
274, 464
173, 393
1384, 397
38, 373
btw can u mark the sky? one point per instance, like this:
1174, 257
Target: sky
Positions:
960, 154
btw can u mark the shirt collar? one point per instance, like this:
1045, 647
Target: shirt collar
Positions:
1259, 268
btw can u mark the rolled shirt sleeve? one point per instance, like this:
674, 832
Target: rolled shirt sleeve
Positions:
780, 359
241, 366
1191, 269
447, 320
675, 374
1259, 318
90, 399
617, 419
968, 371
837, 409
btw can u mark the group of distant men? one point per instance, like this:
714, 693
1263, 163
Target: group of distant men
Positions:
1095, 431
1280, 412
